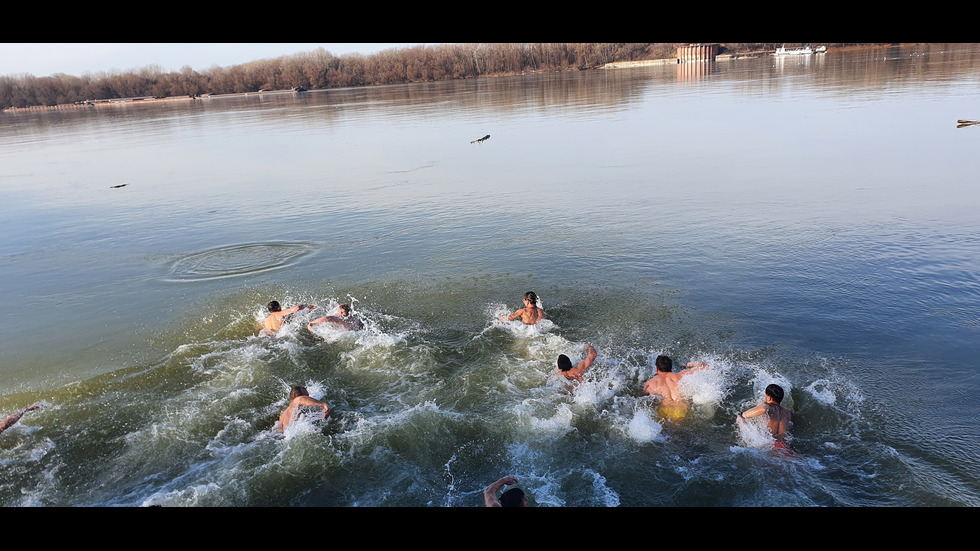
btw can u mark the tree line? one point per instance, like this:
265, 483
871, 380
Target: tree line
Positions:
319, 69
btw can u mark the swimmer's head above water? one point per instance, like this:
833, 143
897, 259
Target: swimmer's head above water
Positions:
664, 364
775, 392
531, 297
564, 363
274, 306
513, 497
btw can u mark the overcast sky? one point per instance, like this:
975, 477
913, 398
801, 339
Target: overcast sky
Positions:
44, 59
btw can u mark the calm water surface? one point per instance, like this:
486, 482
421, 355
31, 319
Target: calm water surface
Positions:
810, 222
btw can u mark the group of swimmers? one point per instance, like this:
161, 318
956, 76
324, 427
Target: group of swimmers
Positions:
277, 317
779, 423
299, 396
665, 384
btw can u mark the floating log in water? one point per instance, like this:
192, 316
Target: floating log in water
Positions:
481, 140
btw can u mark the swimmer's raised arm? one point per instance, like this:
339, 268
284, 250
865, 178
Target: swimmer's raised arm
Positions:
490, 494
584, 364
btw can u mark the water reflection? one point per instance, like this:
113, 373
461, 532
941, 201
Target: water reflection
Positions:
694, 71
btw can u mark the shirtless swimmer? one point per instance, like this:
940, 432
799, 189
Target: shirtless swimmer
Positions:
530, 314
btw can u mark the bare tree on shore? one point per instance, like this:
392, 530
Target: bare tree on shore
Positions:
318, 69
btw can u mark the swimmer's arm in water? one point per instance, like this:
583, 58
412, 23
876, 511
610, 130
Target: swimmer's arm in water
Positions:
513, 316
290, 412
298, 307
309, 326
490, 494
307, 401
14, 417
693, 367
749, 413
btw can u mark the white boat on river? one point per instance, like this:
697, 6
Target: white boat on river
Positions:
805, 50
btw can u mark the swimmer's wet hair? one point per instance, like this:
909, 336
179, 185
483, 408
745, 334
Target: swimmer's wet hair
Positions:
344, 309
274, 306
531, 296
513, 497
664, 364
775, 392
564, 363
297, 392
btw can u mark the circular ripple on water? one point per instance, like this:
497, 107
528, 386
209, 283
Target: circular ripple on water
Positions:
237, 260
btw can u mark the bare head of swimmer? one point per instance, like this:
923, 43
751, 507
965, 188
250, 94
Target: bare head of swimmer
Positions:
564, 363
775, 392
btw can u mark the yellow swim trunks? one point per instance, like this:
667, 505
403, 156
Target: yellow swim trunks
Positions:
674, 412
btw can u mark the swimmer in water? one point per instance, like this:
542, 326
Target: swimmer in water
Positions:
780, 418
513, 497
344, 321
277, 316
14, 417
298, 397
530, 314
673, 404
575, 373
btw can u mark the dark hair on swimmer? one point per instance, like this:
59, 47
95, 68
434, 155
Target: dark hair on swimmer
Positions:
297, 392
274, 306
775, 392
664, 364
344, 309
564, 363
531, 296
513, 497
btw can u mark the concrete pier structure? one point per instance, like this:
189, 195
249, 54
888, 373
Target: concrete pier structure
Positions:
697, 53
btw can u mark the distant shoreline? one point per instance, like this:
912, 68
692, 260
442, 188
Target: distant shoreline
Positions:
115, 102
135, 101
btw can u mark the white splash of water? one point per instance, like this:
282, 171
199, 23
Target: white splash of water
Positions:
643, 428
821, 391
560, 422
606, 496
754, 433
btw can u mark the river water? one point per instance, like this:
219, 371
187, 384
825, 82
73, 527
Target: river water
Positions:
804, 221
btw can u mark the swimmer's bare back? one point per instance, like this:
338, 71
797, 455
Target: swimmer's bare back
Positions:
528, 316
